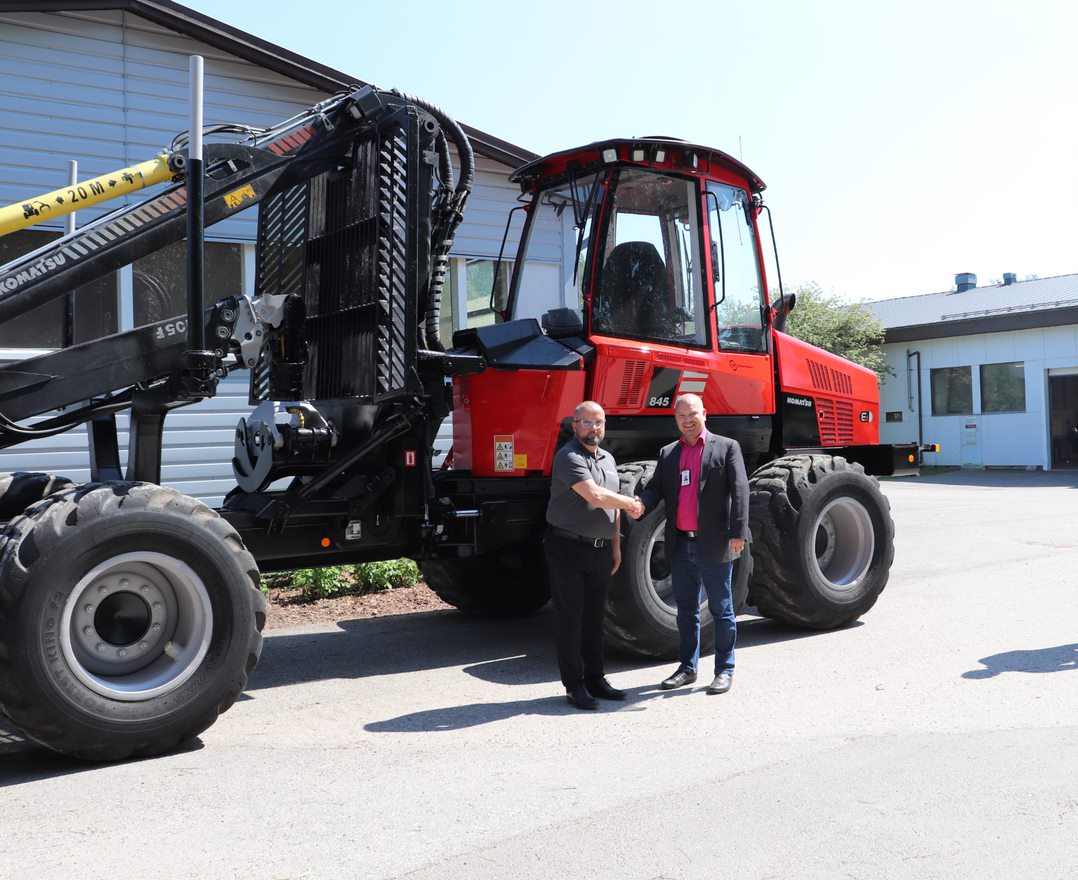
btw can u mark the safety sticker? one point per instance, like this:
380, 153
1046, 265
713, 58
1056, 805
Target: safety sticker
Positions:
503, 453
238, 196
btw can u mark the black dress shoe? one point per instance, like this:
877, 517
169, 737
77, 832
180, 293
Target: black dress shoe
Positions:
578, 695
679, 679
722, 683
604, 690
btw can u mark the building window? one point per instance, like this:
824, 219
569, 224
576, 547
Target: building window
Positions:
1003, 387
952, 391
160, 279
96, 303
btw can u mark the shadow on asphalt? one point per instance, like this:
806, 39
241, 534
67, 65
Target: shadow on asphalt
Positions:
1058, 659
500, 651
475, 714
504, 652
22, 760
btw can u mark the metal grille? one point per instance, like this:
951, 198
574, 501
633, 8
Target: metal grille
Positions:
829, 379
632, 383
346, 241
820, 375
836, 421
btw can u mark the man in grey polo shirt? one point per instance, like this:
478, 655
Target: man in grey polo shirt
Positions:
583, 549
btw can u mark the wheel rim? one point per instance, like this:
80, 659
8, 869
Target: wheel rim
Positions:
136, 626
844, 543
658, 568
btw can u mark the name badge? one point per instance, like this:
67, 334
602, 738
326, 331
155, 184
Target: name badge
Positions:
685, 477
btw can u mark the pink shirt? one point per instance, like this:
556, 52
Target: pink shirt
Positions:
689, 487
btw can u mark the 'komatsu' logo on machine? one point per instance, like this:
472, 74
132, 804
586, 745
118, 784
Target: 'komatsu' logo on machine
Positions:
799, 401
32, 272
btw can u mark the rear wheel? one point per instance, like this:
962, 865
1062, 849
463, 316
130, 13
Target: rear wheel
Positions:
642, 613
508, 582
19, 490
823, 540
130, 619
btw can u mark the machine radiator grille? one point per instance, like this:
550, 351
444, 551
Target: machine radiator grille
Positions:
346, 240
836, 421
632, 384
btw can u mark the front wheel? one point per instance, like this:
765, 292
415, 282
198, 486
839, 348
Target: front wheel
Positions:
823, 540
129, 620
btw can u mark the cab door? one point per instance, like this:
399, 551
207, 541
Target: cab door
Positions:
741, 368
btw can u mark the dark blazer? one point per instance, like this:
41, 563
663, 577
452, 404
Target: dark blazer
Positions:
723, 511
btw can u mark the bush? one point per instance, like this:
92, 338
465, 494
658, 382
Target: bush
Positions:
321, 583
341, 580
374, 577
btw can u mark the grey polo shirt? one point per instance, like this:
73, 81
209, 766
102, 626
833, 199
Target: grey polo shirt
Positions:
567, 510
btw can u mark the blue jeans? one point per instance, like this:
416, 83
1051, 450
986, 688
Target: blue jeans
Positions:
691, 570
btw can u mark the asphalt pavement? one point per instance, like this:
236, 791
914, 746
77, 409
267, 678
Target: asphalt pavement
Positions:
935, 738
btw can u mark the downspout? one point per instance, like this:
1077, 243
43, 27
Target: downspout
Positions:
920, 408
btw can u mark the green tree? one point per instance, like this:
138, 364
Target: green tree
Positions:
848, 329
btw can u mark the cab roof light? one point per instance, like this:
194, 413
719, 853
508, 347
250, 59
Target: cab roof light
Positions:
638, 154
610, 155
660, 154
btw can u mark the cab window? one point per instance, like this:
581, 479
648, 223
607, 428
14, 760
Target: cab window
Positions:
739, 304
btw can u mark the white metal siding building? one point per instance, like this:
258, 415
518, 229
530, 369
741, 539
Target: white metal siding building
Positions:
990, 373
106, 84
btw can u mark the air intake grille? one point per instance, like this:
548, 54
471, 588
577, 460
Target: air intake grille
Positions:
836, 421
632, 383
827, 378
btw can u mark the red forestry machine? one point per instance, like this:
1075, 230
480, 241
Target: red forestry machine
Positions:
130, 615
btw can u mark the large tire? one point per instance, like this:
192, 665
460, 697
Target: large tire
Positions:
641, 611
130, 618
823, 540
508, 582
19, 490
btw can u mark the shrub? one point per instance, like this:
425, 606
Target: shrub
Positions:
374, 577
321, 583
340, 580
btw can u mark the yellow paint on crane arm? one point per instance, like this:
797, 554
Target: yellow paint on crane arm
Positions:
86, 194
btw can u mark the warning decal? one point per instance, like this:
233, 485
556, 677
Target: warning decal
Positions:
503, 453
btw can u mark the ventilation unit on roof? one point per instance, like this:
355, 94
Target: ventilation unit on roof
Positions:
1009, 278
965, 281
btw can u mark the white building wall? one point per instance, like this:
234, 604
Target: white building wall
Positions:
979, 439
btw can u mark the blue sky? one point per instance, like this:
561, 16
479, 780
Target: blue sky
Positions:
900, 143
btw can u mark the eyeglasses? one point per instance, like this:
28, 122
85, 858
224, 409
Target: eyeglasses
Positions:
589, 423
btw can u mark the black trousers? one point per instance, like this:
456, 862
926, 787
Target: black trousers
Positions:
579, 583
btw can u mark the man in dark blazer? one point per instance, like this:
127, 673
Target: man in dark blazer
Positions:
702, 479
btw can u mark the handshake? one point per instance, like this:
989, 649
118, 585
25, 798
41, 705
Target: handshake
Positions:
637, 509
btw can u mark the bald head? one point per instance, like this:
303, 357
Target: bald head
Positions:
690, 415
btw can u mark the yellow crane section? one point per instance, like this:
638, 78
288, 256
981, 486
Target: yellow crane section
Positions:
78, 196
